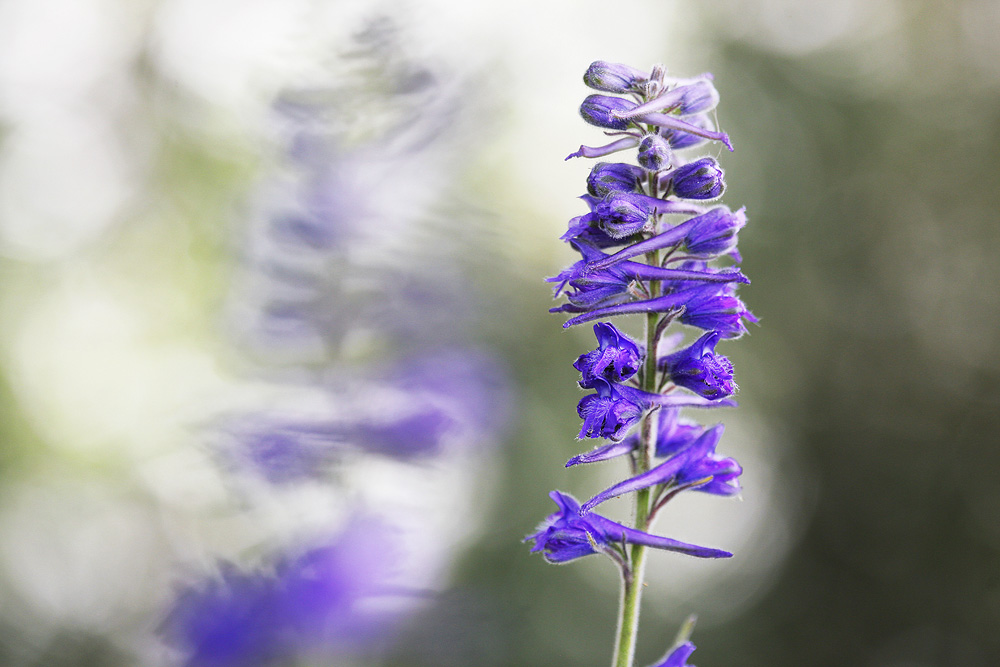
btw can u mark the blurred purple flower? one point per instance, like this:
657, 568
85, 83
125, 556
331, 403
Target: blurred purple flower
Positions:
314, 602
677, 657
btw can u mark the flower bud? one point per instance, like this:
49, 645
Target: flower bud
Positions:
654, 153
701, 179
599, 109
697, 97
715, 232
613, 77
621, 215
606, 178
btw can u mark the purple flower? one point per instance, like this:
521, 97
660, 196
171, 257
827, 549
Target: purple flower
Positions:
715, 232
306, 603
635, 260
584, 229
602, 110
701, 179
615, 408
708, 235
716, 308
612, 411
622, 214
700, 369
697, 466
608, 177
228, 622
677, 657
698, 96
614, 77
670, 238
603, 288
565, 535
616, 359
469, 385
674, 434
410, 436
683, 139
322, 589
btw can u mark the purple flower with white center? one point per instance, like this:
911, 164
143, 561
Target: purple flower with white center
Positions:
701, 179
616, 359
700, 369
567, 535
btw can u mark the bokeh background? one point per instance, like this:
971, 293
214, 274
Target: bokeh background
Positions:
134, 138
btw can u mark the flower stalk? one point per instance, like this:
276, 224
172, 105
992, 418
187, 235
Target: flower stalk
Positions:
637, 259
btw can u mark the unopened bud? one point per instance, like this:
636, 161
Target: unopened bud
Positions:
606, 178
613, 77
599, 110
701, 179
654, 153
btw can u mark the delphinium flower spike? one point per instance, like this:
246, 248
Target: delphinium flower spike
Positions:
651, 246
359, 451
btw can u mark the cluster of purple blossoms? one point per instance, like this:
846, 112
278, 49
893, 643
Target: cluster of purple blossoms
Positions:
649, 246
339, 594
354, 320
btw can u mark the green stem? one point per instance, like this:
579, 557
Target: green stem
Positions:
632, 578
